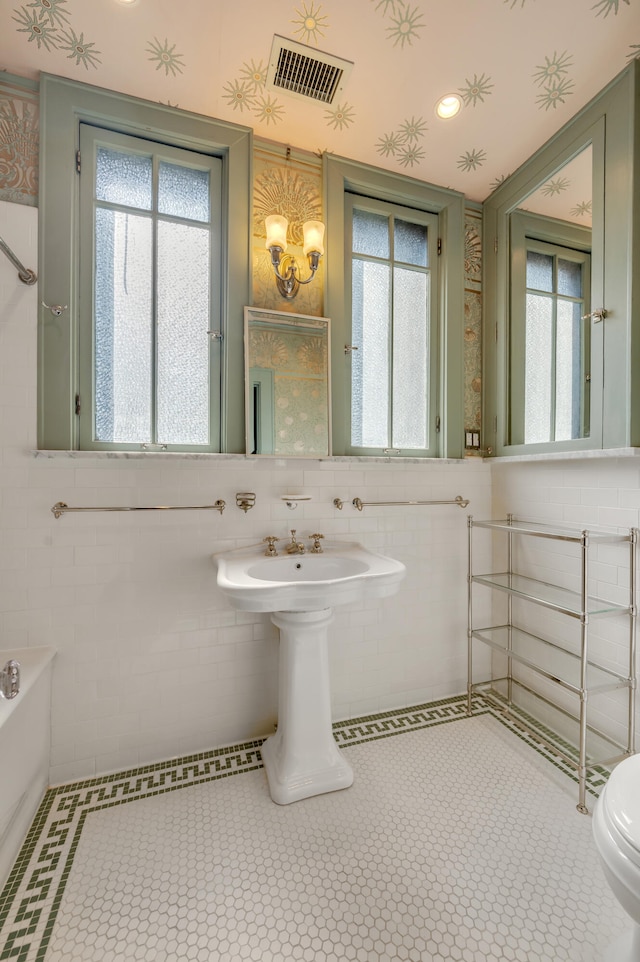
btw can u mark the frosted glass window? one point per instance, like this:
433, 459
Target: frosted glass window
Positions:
556, 345
183, 344
568, 371
539, 271
539, 354
371, 324
183, 192
392, 387
370, 234
155, 291
410, 243
124, 178
123, 327
410, 358
569, 278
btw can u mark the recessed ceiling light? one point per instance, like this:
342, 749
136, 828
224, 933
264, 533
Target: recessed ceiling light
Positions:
127, 3
448, 106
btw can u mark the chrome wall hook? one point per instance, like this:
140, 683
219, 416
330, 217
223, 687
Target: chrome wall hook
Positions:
56, 309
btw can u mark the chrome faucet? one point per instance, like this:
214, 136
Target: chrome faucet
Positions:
294, 547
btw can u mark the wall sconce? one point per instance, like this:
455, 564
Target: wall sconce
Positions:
285, 268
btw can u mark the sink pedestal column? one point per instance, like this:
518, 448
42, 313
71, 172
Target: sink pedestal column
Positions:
302, 758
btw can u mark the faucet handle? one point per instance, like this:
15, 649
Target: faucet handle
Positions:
316, 538
270, 540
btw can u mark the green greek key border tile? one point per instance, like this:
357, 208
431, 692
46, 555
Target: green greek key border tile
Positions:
33, 893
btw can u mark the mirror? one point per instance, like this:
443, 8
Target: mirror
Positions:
550, 297
286, 383
602, 403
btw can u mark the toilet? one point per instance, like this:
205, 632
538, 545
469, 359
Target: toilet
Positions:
616, 831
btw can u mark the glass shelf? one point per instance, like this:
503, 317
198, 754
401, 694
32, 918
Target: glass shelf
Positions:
549, 659
555, 532
550, 596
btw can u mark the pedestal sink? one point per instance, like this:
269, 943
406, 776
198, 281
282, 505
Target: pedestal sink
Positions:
302, 758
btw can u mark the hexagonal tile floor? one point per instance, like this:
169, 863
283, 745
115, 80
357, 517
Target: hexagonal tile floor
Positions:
457, 841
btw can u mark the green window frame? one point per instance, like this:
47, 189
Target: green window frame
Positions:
343, 177
64, 349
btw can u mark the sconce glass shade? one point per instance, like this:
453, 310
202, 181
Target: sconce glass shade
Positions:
313, 232
276, 232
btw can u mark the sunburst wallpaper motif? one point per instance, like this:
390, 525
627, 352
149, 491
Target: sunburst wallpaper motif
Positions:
520, 67
291, 187
19, 141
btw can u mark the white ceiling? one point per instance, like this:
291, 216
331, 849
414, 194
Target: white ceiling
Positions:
523, 68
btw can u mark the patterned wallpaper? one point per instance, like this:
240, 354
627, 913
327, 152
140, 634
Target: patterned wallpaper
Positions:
299, 361
282, 184
19, 141
525, 65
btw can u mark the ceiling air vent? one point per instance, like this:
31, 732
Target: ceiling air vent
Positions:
305, 71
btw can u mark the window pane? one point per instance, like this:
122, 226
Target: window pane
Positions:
183, 344
538, 362
539, 271
370, 233
410, 243
183, 192
569, 372
123, 326
123, 178
410, 358
569, 278
370, 363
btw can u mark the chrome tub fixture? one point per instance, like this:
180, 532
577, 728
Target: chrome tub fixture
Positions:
285, 267
10, 679
245, 500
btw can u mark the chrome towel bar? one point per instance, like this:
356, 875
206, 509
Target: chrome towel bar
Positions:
26, 275
61, 508
359, 504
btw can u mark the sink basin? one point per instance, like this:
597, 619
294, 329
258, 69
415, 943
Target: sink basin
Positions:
299, 590
344, 572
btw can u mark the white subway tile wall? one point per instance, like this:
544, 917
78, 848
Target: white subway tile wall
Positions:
152, 663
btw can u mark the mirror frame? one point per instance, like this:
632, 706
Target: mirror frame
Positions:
609, 123
292, 319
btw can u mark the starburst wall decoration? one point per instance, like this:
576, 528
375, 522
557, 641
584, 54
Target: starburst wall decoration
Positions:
165, 56
46, 23
311, 23
403, 142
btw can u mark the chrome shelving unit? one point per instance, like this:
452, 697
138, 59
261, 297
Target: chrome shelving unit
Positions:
561, 668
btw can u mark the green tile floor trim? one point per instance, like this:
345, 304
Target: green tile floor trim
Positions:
32, 895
